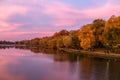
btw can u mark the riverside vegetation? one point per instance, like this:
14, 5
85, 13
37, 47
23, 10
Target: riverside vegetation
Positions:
100, 34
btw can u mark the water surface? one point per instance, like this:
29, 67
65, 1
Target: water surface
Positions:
38, 64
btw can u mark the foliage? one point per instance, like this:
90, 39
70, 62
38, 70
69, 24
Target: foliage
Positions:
35, 42
98, 34
60, 43
67, 41
52, 43
86, 37
112, 32
75, 40
98, 26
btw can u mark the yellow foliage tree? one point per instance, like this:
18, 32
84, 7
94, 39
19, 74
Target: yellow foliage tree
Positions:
60, 43
112, 32
86, 37
98, 26
52, 43
113, 22
67, 41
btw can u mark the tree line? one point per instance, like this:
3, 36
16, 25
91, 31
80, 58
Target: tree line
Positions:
98, 34
6, 42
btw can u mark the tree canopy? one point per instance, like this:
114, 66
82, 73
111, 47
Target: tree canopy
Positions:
98, 34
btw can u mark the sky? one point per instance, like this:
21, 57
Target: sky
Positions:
27, 19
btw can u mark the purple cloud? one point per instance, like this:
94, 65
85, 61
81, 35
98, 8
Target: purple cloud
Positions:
49, 16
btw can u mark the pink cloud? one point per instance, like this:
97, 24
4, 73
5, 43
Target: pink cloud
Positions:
6, 11
69, 16
107, 10
64, 14
4, 26
23, 35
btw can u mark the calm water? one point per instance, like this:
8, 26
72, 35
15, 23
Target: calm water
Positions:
36, 64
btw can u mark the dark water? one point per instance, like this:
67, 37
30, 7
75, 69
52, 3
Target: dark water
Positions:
38, 64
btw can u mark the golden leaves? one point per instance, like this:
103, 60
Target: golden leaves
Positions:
86, 37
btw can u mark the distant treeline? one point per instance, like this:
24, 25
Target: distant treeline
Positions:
98, 34
6, 42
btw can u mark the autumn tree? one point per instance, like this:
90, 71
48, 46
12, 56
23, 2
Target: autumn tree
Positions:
61, 33
75, 40
86, 37
26, 42
112, 32
35, 42
43, 42
67, 41
94, 35
112, 37
60, 43
52, 43
98, 26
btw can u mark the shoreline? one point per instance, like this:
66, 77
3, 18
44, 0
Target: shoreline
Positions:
94, 54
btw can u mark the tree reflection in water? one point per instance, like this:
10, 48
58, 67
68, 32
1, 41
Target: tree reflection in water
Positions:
65, 66
59, 55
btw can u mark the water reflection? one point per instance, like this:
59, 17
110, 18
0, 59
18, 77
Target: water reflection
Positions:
58, 55
45, 64
6, 47
5, 73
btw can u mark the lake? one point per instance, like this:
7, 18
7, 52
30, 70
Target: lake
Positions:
41, 64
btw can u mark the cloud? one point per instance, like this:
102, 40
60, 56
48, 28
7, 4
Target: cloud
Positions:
59, 14
23, 35
4, 26
107, 10
65, 15
5, 12
25, 17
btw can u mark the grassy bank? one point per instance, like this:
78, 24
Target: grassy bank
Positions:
95, 54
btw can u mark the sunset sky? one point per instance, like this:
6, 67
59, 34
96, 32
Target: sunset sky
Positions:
27, 19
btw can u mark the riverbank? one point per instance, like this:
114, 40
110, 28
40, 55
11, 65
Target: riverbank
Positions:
95, 54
